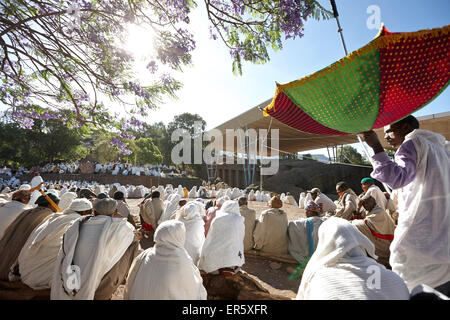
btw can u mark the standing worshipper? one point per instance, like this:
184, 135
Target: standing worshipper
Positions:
347, 202
341, 269
18, 232
270, 233
249, 221
378, 226
38, 256
195, 237
91, 247
10, 210
223, 250
369, 188
165, 271
420, 251
304, 233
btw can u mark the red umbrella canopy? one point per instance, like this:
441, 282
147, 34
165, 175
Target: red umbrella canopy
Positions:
383, 82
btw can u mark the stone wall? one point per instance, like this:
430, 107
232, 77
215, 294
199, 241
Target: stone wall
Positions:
146, 181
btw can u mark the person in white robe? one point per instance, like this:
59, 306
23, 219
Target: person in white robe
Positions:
224, 245
10, 210
38, 256
91, 246
251, 196
270, 233
303, 233
37, 180
165, 271
170, 207
66, 200
369, 188
420, 251
249, 221
378, 226
326, 204
341, 269
190, 215
193, 193
289, 199
301, 200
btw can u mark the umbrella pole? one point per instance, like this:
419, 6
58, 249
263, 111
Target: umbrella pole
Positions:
336, 15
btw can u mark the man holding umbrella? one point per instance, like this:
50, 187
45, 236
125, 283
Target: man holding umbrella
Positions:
420, 251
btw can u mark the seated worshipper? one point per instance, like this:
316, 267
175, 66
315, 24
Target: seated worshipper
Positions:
38, 256
341, 269
150, 213
326, 204
303, 233
249, 221
10, 210
347, 202
102, 195
171, 205
86, 193
122, 207
270, 233
209, 204
165, 271
18, 232
211, 213
369, 188
66, 200
289, 199
378, 226
92, 250
223, 249
191, 217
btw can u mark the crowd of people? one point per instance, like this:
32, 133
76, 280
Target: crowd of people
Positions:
11, 176
81, 240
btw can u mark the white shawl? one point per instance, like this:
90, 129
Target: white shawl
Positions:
224, 243
341, 269
94, 246
9, 211
66, 200
195, 230
38, 256
298, 237
170, 208
165, 271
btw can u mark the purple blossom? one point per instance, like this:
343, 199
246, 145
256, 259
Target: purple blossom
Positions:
152, 67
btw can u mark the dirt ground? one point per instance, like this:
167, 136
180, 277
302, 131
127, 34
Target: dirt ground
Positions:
270, 273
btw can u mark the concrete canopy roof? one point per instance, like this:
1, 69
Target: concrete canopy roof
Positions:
293, 141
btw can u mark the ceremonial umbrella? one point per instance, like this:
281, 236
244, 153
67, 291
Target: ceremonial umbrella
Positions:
384, 81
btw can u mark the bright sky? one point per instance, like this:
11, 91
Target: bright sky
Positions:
211, 90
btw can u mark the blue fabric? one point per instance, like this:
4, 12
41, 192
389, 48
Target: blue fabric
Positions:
309, 231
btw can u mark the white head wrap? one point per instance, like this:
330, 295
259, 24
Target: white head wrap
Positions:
80, 205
